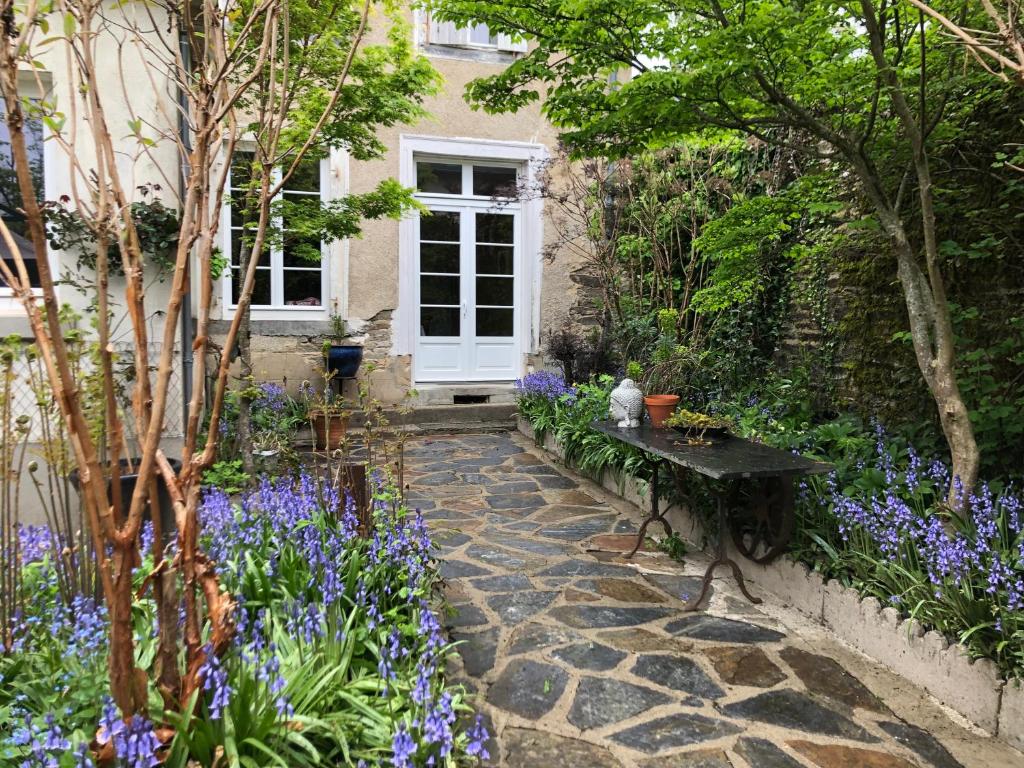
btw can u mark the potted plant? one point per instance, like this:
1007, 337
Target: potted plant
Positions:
328, 413
341, 358
699, 427
659, 406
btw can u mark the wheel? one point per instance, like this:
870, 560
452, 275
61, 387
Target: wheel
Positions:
762, 524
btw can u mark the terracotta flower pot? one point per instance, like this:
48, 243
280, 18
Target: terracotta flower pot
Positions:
330, 429
659, 408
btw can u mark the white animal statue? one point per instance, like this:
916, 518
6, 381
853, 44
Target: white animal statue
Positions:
627, 404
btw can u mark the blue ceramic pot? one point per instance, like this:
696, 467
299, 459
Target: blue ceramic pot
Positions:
343, 360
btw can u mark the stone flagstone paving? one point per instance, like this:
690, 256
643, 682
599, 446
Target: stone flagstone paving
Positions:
580, 657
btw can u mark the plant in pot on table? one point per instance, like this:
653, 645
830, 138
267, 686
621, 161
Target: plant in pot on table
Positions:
699, 428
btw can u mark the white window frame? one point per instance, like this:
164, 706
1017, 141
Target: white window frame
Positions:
29, 86
446, 33
330, 303
529, 158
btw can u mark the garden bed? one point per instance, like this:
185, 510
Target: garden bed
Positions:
972, 687
337, 656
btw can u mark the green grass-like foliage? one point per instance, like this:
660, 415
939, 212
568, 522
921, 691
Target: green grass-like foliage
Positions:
337, 658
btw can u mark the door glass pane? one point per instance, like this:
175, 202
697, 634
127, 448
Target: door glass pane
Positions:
439, 289
494, 291
439, 321
494, 228
442, 178
479, 34
261, 290
494, 260
494, 322
440, 225
491, 181
302, 288
439, 257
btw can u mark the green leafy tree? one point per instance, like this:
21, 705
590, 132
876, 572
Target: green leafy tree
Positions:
864, 88
332, 83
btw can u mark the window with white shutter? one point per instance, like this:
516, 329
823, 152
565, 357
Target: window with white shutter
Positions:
475, 36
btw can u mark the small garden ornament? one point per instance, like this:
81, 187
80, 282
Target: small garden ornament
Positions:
627, 404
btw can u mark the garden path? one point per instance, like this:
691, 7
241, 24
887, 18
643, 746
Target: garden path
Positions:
579, 657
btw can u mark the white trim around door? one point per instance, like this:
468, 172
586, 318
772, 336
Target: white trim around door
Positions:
469, 277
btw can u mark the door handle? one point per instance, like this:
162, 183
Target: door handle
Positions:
464, 310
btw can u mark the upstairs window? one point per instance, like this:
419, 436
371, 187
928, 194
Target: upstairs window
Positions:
477, 36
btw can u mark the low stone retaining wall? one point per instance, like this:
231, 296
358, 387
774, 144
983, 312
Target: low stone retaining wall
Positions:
927, 659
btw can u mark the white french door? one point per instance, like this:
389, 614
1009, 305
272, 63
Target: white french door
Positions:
468, 265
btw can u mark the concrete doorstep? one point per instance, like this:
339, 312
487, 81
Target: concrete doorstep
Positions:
972, 688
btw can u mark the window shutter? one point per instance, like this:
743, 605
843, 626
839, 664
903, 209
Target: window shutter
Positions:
446, 33
505, 43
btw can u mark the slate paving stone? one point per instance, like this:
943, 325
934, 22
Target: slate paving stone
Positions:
557, 513
528, 688
533, 637
826, 677
625, 526
477, 649
679, 673
705, 627
526, 748
577, 498
466, 615
436, 478
457, 569
523, 526
446, 514
516, 501
578, 567
448, 539
601, 616
761, 753
512, 541
619, 543
743, 665
593, 657
505, 582
839, 756
921, 742
519, 486
475, 478
601, 701
627, 591
500, 558
701, 758
541, 470
577, 530
527, 459
677, 730
576, 596
677, 585
640, 640
518, 606
792, 709
551, 482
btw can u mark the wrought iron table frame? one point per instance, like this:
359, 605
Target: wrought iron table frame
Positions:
731, 461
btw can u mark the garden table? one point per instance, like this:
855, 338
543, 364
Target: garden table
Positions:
754, 494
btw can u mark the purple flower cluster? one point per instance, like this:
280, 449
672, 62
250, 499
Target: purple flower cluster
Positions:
976, 552
135, 742
271, 398
304, 520
545, 384
45, 742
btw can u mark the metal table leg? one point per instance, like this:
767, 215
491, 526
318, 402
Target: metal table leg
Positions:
721, 559
656, 514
